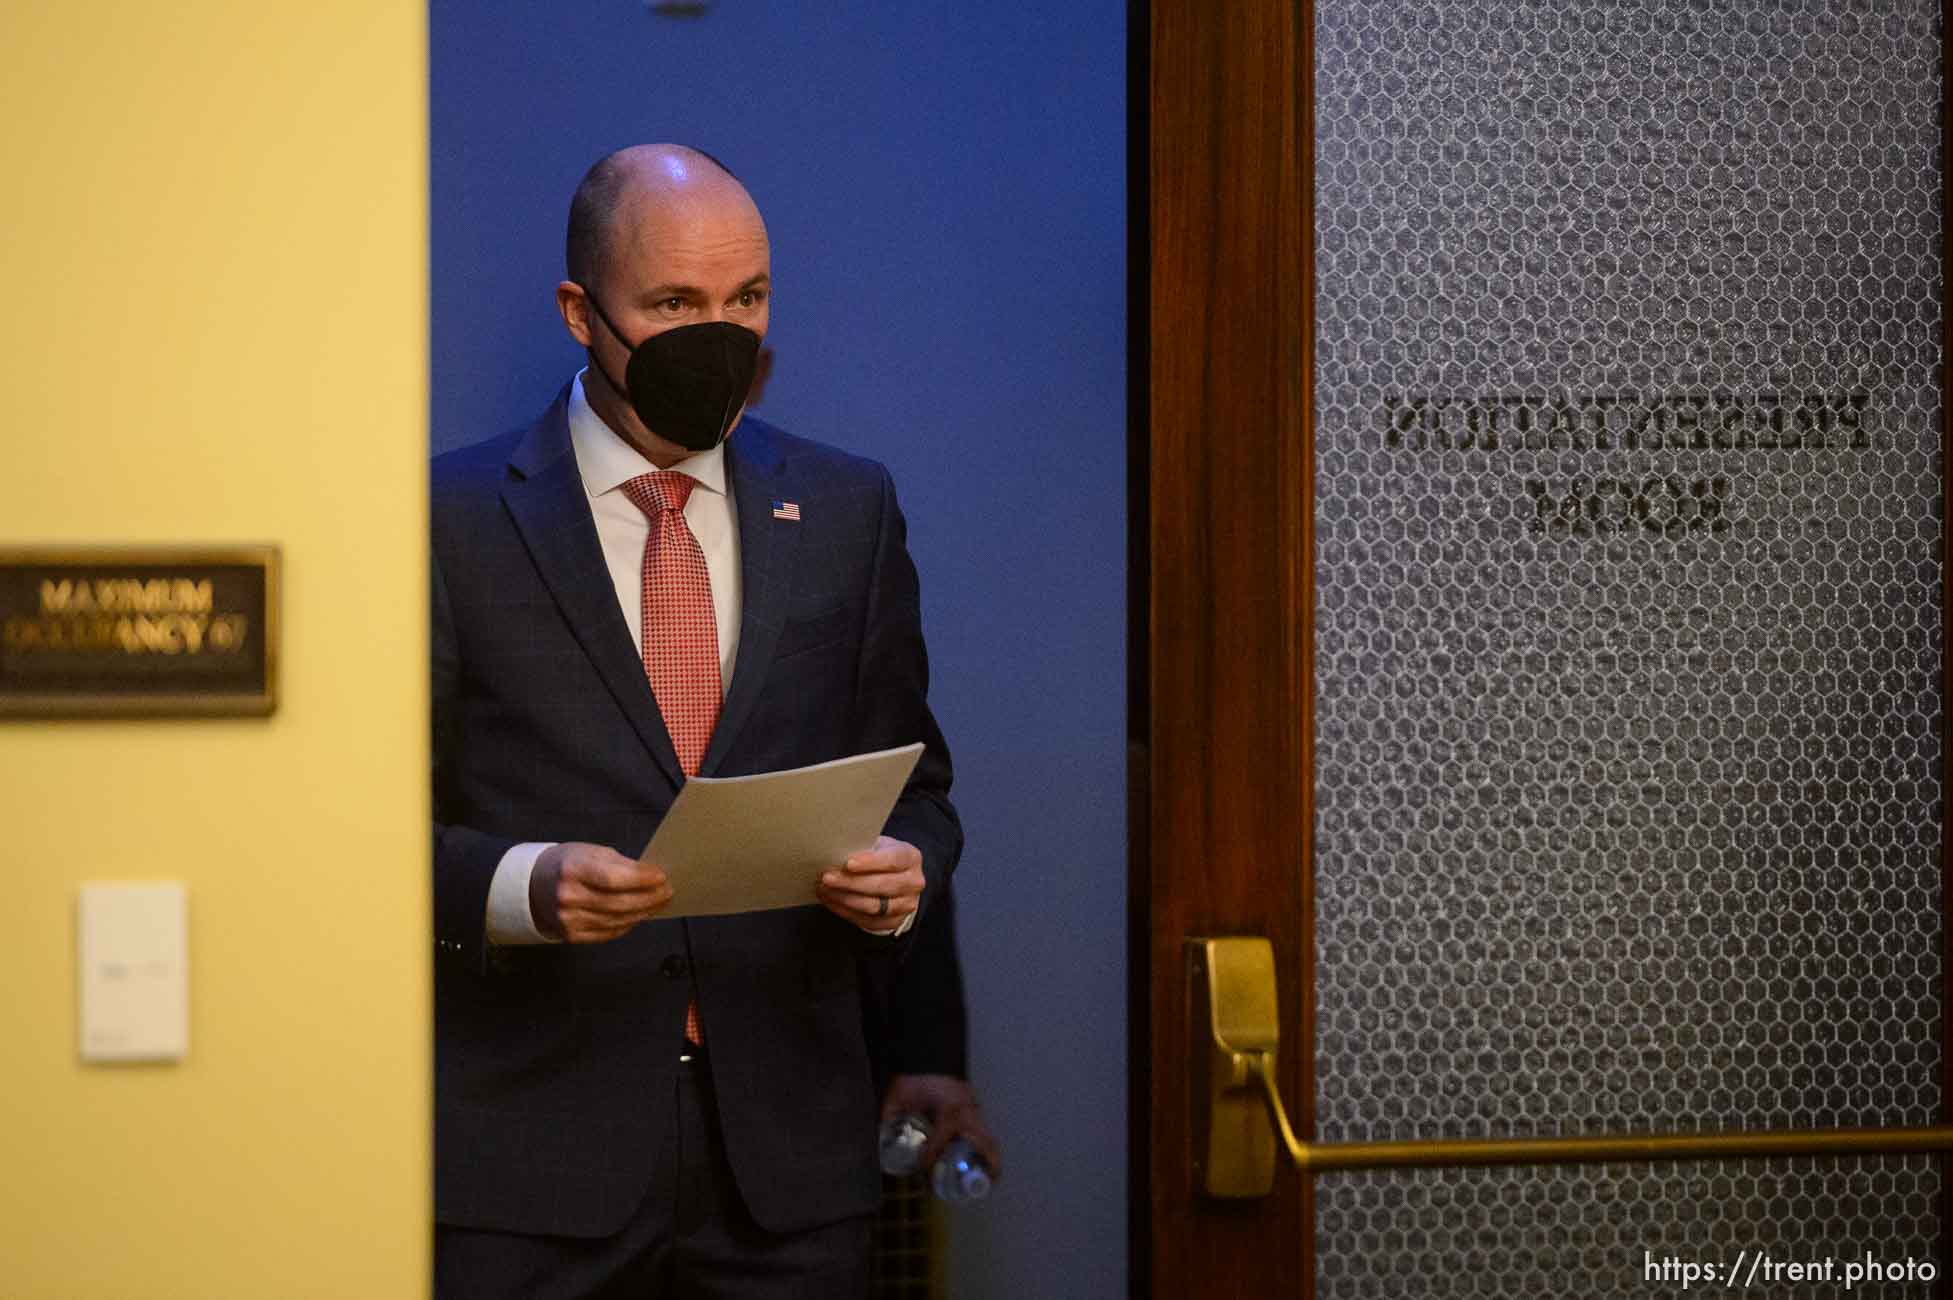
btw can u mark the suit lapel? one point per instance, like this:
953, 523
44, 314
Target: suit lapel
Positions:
759, 475
552, 512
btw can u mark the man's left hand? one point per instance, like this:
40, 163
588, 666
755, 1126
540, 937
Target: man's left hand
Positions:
877, 889
950, 1106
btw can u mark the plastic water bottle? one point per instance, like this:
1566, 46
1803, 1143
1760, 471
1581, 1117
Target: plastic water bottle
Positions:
960, 1174
902, 1140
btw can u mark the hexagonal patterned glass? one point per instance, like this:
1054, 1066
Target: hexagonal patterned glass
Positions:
1628, 618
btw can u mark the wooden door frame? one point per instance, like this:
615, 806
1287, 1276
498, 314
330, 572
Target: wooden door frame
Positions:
1222, 349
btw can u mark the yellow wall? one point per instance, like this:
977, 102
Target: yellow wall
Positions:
213, 328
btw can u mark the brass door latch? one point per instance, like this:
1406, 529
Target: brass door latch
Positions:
1239, 1116
1238, 1107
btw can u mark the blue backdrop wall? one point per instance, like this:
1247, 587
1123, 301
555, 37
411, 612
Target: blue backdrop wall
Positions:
945, 189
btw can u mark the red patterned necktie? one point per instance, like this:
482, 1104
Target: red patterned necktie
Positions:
681, 633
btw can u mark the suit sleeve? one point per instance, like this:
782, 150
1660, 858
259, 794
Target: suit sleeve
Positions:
917, 1019
892, 695
464, 859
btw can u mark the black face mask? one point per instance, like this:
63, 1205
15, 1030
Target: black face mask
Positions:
687, 384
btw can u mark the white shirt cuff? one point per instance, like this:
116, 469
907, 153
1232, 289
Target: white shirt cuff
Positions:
510, 922
899, 930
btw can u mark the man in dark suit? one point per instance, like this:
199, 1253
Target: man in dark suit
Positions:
624, 596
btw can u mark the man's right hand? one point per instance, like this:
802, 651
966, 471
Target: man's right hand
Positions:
586, 893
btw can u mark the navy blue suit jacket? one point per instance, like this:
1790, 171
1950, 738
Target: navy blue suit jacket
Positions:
554, 1065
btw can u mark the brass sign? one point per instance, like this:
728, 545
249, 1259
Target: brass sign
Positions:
138, 630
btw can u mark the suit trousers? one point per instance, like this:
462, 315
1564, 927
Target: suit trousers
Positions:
691, 1239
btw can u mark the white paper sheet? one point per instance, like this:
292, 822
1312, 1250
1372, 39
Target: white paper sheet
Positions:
749, 843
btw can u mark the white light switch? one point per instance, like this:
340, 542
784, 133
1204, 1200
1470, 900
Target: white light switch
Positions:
135, 972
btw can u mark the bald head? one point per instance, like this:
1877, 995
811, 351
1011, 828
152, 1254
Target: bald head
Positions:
640, 183
661, 237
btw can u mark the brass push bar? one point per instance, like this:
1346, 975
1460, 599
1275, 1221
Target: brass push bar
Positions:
1240, 1107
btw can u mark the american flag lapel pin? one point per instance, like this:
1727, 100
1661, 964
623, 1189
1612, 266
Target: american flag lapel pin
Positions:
786, 510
